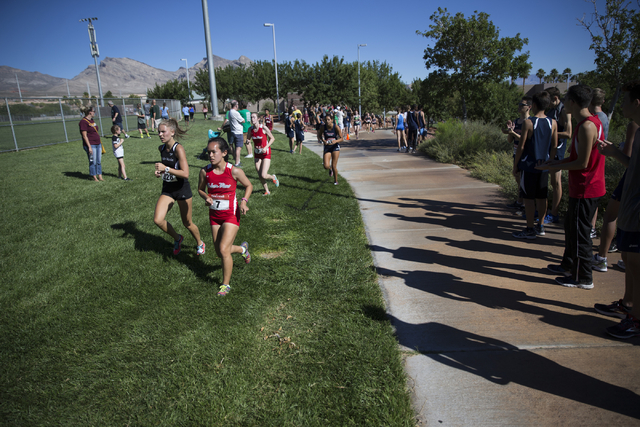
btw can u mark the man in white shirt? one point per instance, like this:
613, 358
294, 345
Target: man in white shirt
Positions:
235, 136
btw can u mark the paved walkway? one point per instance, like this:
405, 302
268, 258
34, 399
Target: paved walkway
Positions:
490, 339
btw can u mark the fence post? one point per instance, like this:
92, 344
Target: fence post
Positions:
126, 122
6, 101
64, 125
97, 107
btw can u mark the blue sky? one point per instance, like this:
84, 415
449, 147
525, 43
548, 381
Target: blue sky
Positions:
46, 36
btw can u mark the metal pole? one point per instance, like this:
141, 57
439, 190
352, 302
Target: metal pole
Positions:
100, 120
89, 91
68, 93
212, 76
6, 102
64, 125
95, 59
188, 87
359, 101
275, 65
124, 114
19, 91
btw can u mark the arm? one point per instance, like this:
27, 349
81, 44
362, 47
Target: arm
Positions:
339, 139
554, 140
608, 149
586, 139
527, 127
114, 117
118, 144
202, 187
180, 173
565, 120
269, 135
85, 139
239, 175
632, 128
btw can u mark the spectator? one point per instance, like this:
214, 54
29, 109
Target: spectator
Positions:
116, 117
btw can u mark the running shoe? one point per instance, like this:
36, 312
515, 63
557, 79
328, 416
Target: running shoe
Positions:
599, 263
593, 233
558, 269
177, 245
246, 255
238, 165
276, 181
266, 193
126, 135
628, 328
527, 233
249, 156
570, 283
621, 265
539, 229
615, 309
224, 290
613, 247
551, 219
201, 248
515, 205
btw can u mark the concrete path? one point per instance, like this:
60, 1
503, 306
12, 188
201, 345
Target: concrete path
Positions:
489, 338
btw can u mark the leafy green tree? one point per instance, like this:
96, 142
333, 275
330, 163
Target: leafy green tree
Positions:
553, 75
173, 89
540, 74
108, 94
472, 52
615, 36
432, 95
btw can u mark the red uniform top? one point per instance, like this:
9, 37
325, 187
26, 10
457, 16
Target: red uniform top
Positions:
260, 142
587, 183
268, 121
222, 189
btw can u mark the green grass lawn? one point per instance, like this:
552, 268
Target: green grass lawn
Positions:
102, 325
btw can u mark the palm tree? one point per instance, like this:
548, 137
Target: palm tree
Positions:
554, 74
540, 74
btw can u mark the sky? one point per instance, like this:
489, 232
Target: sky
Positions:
46, 36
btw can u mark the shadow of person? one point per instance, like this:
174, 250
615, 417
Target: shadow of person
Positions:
146, 242
502, 363
78, 175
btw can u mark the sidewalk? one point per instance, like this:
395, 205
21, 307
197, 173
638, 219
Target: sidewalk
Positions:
489, 337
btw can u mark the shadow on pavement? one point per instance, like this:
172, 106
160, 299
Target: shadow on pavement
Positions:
502, 363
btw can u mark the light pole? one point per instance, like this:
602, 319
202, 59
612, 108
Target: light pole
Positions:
188, 87
213, 93
95, 53
359, 106
275, 63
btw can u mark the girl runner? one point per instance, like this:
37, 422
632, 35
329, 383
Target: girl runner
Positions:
329, 134
262, 158
402, 140
217, 186
356, 124
174, 170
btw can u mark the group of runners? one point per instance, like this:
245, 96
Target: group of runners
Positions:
409, 128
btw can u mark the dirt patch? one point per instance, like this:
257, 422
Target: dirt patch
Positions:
271, 255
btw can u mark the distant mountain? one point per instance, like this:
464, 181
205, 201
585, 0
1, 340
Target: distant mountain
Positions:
118, 75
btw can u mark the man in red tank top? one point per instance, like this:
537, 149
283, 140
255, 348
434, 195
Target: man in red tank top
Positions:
586, 185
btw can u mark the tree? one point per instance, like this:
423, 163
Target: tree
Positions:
173, 89
108, 94
540, 74
553, 75
615, 37
472, 52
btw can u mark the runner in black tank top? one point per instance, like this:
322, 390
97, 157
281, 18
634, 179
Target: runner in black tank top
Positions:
329, 134
174, 171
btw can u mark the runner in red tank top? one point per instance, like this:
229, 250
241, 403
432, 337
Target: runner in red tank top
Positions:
262, 158
217, 186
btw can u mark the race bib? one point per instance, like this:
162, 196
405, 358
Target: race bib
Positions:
221, 202
167, 177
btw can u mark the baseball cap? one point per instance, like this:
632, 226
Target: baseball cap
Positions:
110, 102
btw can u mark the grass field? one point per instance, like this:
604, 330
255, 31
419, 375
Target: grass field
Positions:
102, 325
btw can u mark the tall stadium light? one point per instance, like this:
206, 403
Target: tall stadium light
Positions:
95, 53
213, 93
275, 65
188, 87
359, 106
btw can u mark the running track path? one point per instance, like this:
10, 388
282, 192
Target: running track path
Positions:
489, 338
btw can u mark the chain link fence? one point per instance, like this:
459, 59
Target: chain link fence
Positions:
36, 122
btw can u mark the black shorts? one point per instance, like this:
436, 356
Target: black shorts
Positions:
142, 126
290, 134
177, 190
534, 185
628, 241
186, 119
562, 149
331, 148
617, 193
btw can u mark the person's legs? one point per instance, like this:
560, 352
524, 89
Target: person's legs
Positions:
163, 206
121, 170
223, 237
249, 145
185, 213
334, 165
97, 155
541, 205
608, 229
583, 270
556, 185
92, 166
262, 167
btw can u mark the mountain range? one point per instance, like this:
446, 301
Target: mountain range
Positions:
121, 76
